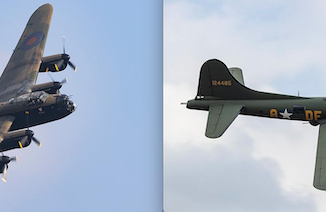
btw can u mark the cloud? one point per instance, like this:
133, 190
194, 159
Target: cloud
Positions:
258, 164
222, 180
235, 171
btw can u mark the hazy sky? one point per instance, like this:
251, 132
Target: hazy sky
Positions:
107, 156
258, 164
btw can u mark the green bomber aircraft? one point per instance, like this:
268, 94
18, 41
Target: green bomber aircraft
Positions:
22, 103
222, 92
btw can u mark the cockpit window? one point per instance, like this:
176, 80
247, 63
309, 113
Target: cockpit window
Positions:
43, 96
30, 99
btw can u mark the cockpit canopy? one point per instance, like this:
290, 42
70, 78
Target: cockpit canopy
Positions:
30, 99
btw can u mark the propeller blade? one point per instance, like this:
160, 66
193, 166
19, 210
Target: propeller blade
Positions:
59, 65
22, 141
64, 43
37, 141
72, 66
64, 81
4, 173
50, 76
65, 56
14, 159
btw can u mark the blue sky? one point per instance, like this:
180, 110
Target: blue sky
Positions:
107, 156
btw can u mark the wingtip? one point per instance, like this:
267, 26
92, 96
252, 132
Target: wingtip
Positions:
320, 187
42, 14
47, 6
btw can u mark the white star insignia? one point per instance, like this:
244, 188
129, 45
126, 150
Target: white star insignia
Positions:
286, 114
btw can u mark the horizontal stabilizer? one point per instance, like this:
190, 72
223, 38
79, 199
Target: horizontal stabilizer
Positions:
320, 168
237, 74
220, 118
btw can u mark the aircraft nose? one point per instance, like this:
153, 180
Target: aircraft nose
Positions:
72, 106
75, 106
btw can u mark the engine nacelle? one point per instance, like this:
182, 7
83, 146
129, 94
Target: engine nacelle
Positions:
15, 139
56, 63
49, 87
53, 63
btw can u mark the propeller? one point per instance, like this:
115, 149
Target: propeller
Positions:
50, 76
24, 139
65, 56
4, 173
64, 43
64, 81
36, 141
58, 85
5, 160
72, 66
29, 134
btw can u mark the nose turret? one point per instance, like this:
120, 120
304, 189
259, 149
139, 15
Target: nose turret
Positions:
65, 101
71, 106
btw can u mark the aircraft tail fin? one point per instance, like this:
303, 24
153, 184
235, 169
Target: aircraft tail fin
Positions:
216, 81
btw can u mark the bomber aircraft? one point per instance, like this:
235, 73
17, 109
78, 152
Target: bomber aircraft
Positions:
22, 103
223, 93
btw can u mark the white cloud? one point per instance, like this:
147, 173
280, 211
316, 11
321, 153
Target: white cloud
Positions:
258, 163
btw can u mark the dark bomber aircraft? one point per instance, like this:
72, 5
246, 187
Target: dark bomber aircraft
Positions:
22, 103
222, 92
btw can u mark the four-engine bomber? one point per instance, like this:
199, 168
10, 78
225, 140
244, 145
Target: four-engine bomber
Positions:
222, 92
22, 103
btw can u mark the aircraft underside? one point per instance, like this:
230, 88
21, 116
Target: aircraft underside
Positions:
39, 116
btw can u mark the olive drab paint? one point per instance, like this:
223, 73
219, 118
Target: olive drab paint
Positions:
221, 92
310, 115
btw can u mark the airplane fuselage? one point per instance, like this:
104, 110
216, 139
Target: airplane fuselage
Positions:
302, 109
30, 113
39, 115
222, 92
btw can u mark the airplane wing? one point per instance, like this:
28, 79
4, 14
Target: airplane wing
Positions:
22, 69
5, 124
220, 118
320, 167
